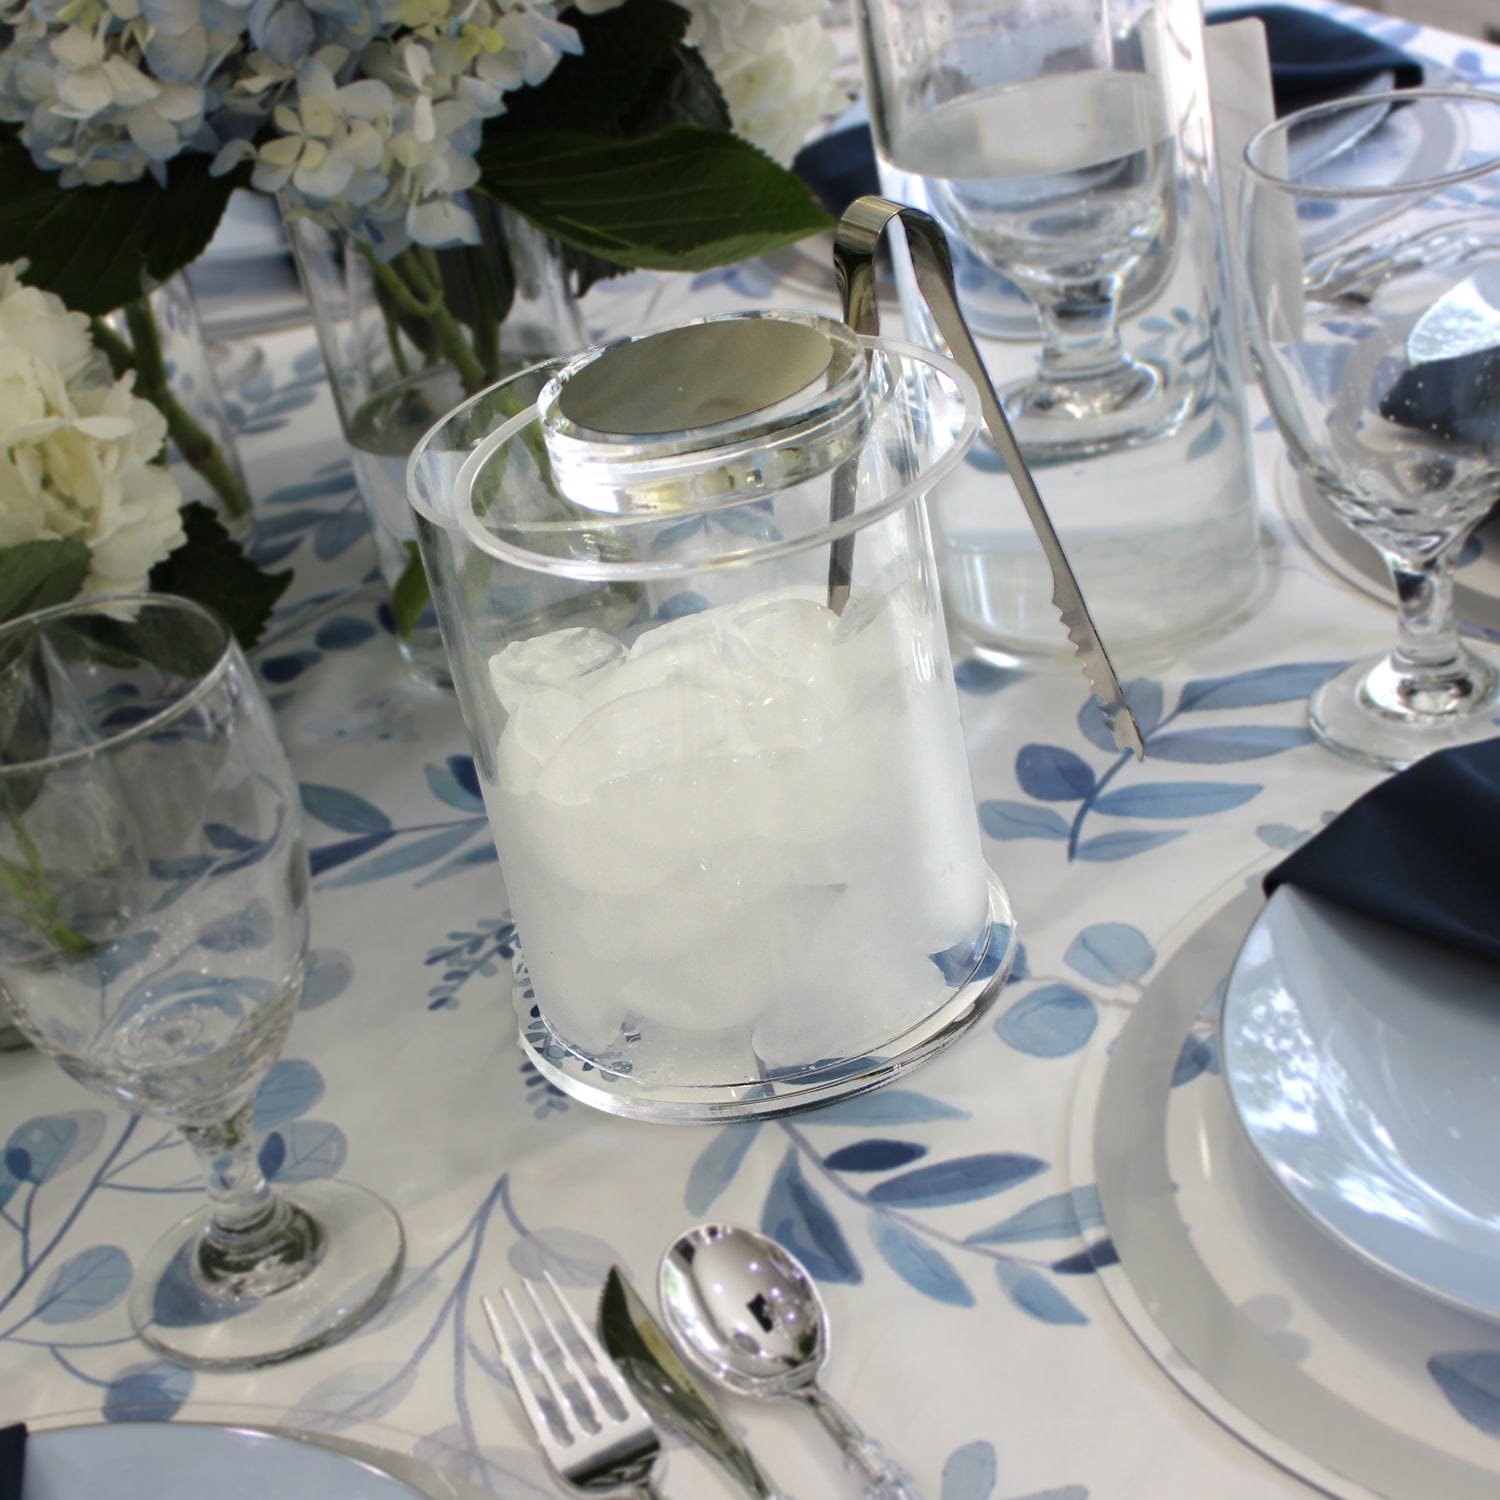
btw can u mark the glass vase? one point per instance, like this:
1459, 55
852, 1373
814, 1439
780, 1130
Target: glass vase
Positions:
160, 338
405, 341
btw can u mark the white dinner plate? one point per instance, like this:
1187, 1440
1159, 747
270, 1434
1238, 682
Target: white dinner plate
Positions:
1364, 1064
189, 1461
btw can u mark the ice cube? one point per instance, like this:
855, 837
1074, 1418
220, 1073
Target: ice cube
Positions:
635, 734
559, 659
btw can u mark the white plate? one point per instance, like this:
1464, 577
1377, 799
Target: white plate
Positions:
188, 1461
1364, 1064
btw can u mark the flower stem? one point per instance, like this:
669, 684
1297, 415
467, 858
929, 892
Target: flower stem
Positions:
415, 285
27, 886
142, 353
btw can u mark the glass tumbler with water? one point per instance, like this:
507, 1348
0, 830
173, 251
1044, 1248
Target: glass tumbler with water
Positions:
153, 932
687, 590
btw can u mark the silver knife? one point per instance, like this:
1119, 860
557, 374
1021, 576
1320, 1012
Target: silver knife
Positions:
855, 243
668, 1389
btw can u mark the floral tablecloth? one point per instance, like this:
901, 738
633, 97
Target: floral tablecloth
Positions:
969, 1331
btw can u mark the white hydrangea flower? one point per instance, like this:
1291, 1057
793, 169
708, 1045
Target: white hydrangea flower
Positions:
76, 447
774, 62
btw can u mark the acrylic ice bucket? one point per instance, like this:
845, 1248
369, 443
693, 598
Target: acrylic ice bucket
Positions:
687, 590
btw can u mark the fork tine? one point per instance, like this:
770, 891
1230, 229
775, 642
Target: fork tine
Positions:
608, 1371
576, 1373
508, 1357
574, 1414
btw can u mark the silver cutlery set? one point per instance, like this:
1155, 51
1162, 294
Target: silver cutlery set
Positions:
739, 1309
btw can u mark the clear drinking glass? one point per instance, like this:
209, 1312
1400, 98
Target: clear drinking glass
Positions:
153, 931
1043, 135
1372, 262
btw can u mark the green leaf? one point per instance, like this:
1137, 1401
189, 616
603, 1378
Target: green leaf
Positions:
211, 568
98, 247
680, 199
37, 574
624, 50
411, 594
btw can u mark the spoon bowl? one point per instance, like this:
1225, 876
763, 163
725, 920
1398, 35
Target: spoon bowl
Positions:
745, 1309
750, 1317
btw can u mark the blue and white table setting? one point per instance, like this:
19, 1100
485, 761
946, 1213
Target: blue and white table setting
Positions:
1205, 1202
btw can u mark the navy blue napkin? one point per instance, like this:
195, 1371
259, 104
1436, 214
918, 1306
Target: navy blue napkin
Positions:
12, 1460
1312, 58
1419, 851
1315, 58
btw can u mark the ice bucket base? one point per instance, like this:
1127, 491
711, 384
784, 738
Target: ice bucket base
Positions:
784, 1093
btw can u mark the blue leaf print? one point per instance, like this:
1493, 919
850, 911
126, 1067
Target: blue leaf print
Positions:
796, 1217
1084, 1262
963, 1179
456, 782
1470, 1379
1057, 1217
308, 1150
1111, 953
153, 1392
331, 856
337, 534
1220, 745
342, 633
1195, 1058
1177, 799
1033, 1293
1211, 436
288, 666
480, 854
1289, 683
1107, 847
39, 1149
253, 926
231, 840
1054, 1020
329, 972
981, 677
717, 1165
970, 1473
887, 1107
1005, 820
83, 1285
1092, 725
291, 1088
406, 857
1051, 774
360, 1393
918, 1264
338, 808
874, 1155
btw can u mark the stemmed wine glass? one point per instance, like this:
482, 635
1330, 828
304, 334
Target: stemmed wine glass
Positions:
1371, 252
1044, 138
153, 932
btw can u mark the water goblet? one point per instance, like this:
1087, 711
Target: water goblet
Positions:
153, 934
1043, 135
1371, 251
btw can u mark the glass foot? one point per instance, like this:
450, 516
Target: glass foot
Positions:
1057, 420
1368, 712
357, 1254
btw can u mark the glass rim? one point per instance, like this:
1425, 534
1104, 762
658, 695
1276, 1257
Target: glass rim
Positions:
97, 604
1391, 98
599, 570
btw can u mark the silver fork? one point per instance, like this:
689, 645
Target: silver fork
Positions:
594, 1432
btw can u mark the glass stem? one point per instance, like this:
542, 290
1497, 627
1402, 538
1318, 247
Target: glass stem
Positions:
1081, 332
1427, 651
255, 1241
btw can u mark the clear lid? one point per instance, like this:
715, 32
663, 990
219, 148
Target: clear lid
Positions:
707, 413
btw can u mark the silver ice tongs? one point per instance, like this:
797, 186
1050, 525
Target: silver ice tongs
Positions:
855, 243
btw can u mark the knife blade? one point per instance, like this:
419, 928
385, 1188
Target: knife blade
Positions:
855, 243
667, 1388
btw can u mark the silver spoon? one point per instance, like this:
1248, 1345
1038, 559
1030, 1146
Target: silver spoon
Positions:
749, 1316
